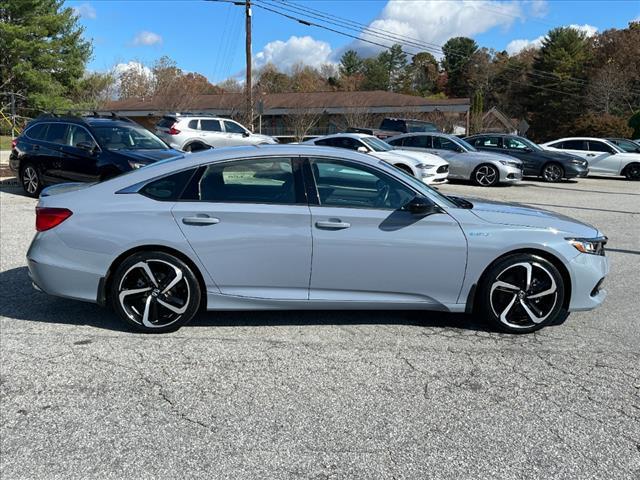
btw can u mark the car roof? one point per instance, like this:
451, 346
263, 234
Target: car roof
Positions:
490, 134
342, 135
415, 134
85, 121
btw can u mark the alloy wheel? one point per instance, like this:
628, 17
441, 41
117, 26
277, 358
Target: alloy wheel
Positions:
486, 175
523, 295
30, 180
154, 293
552, 173
633, 171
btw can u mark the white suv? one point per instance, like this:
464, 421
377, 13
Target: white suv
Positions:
191, 133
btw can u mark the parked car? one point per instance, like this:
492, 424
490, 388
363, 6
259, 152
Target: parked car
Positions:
536, 162
56, 149
407, 125
429, 168
229, 229
604, 157
192, 133
465, 162
628, 146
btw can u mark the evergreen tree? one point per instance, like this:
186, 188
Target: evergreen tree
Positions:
350, 63
458, 52
43, 54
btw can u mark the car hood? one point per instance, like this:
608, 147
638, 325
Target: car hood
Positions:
488, 156
149, 156
412, 158
522, 215
263, 138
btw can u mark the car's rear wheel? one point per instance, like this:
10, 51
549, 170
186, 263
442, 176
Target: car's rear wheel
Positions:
196, 147
485, 176
155, 292
30, 180
632, 171
522, 293
552, 172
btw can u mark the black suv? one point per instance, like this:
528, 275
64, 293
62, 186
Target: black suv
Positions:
536, 162
55, 149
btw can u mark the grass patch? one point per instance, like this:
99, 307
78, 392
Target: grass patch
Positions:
5, 142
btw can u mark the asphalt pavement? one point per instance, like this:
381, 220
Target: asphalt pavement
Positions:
326, 395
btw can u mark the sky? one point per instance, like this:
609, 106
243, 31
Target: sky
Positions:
208, 36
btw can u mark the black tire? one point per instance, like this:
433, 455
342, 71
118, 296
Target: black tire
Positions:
505, 301
404, 168
196, 147
632, 171
552, 172
167, 305
30, 180
485, 175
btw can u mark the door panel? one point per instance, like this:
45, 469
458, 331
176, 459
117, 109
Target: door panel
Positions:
386, 256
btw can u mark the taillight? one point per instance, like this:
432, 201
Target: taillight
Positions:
173, 130
47, 218
14, 142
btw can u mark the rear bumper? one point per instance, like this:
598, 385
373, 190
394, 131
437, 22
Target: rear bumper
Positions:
588, 273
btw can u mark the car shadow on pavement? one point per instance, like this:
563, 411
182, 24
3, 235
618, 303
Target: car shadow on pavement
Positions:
20, 301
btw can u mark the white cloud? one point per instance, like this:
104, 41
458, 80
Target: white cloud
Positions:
516, 46
589, 30
146, 38
434, 22
85, 10
296, 50
539, 8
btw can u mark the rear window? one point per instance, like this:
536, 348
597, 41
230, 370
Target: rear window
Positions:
421, 127
166, 122
393, 125
168, 188
37, 132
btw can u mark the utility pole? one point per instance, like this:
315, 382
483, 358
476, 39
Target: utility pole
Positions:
248, 84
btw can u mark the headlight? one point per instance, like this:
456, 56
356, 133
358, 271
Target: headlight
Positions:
136, 165
593, 246
425, 165
510, 163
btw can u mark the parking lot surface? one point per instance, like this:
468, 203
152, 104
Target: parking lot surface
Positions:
326, 394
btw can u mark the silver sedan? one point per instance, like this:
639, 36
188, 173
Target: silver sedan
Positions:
300, 227
465, 162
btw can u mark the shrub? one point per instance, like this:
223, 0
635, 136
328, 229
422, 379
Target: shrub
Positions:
601, 125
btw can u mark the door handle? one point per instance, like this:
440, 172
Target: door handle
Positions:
36, 147
333, 225
200, 220
591, 154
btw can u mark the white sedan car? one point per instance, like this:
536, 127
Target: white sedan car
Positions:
429, 168
604, 157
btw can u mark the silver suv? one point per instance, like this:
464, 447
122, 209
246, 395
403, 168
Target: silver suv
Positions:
191, 133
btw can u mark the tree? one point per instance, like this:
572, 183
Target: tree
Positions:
601, 125
423, 74
609, 89
375, 75
457, 53
94, 90
306, 79
634, 123
557, 82
230, 85
350, 63
43, 54
272, 80
477, 111
394, 62
136, 82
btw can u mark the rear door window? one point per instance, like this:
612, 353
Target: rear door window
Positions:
573, 145
490, 142
418, 141
270, 181
57, 133
210, 125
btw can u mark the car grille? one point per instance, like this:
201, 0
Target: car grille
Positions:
443, 169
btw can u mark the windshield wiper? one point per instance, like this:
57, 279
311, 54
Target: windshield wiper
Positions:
461, 202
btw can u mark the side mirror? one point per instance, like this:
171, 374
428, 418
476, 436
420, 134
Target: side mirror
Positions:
422, 206
87, 146
246, 134
363, 150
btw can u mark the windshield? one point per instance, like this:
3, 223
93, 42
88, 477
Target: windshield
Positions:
376, 144
462, 143
627, 145
121, 137
418, 185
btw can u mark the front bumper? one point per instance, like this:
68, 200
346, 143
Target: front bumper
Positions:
587, 273
510, 174
575, 171
431, 178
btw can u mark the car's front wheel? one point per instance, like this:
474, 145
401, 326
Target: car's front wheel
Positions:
30, 180
632, 171
485, 176
522, 293
552, 172
155, 292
